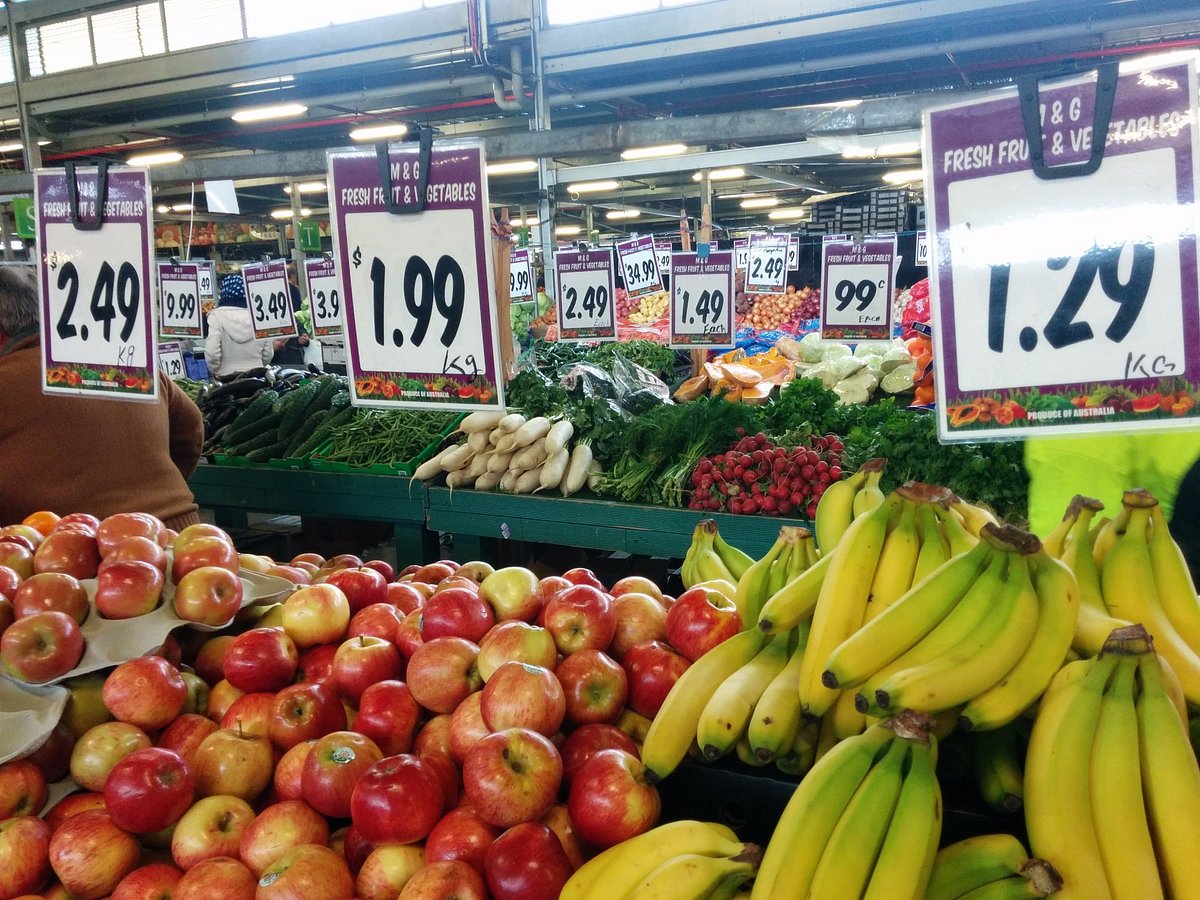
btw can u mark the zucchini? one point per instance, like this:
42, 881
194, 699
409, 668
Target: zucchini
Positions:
306, 429
271, 451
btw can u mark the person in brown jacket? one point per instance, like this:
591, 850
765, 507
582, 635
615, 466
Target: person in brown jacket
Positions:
80, 454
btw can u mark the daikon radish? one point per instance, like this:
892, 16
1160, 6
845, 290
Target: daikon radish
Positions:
508, 482
577, 470
552, 471
533, 430
458, 457
487, 481
432, 467
506, 444
528, 481
511, 422
530, 457
479, 464
498, 462
560, 433
458, 479
481, 421
478, 441
593, 478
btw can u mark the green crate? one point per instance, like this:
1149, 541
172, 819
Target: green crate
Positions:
291, 462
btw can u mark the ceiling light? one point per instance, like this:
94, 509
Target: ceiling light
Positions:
903, 176
378, 132
513, 167
901, 148
182, 207
158, 157
568, 230
527, 221
791, 212
615, 214
306, 187
722, 174
274, 79
287, 213
654, 152
584, 187
9, 148
760, 202
262, 113
162, 208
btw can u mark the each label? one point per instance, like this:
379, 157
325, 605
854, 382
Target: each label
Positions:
793, 252
585, 295
857, 280
520, 275
97, 315
270, 299
741, 253
639, 266
170, 360
179, 300
702, 300
1067, 304
418, 288
922, 248
324, 296
662, 252
766, 266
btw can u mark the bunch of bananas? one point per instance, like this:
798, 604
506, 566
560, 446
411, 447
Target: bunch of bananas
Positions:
1112, 787
710, 557
847, 500
679, 860
992, 866
792, 554
865, 822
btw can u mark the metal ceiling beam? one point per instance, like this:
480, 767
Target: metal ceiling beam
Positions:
788, 179
693, 162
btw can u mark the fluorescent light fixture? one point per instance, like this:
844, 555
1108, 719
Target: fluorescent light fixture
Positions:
378, 132
287, 213
586, 187
263, 113
513, 167
274, 79
568, 230
306, 187
162, 208
528, 221
17, 244
614, 215
654, 152
722, 174
900, 148
17, 145
158, 157
760, 202
182, 207
903, 176
791, 212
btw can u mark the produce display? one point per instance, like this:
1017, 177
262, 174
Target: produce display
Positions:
773, 312
648, 309
738, 377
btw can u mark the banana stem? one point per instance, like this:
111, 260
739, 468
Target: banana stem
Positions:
1130, 640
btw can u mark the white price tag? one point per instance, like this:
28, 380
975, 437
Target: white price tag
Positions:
179, 299
585, 296
269, 297
662, 251
766, 269
793, 252
922, 248
856, 289
702, 300
170, 360
208, 279
520, 275
324, 296
741, 253
639, 266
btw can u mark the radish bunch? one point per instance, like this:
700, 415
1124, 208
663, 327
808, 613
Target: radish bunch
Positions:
756, 476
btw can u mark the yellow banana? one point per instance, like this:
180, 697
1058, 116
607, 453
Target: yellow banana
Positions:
869, 496
835, 510
687, 571
957, 536
843, 600
710, 568
1058, 806
1118, 810
734, 559
1053, 542
1014, 887
746, 754
727, 713
996, 762
897, 563
1172, 580
803, 753
674, 727
845, 719
694, 876
1174, 688
1110, 532
752, 590
827, 737
1058, 614
1077, 554
1170, 782
776, 720
795, 602
803, 554
973, 517
972, 863
934, 551
778, 576
906, 858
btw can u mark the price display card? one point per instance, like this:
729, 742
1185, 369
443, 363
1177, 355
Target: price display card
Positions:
662, 251
857, 280
170, 360
520, 275
179, 300
1067, 304
639, 267
421, 328
766, 268
208, 279
584, 295
324, 296
793, 252
741, 253
95, 285
922, 248
270, 299
702, 300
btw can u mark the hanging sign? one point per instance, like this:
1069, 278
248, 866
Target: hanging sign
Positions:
857, 280
324, 296
308, 236
585, 296
170, 360
1067, 301
793, 252
639, 267
179, 300
741, 253
95, 283
663, 249
417, 286
520, 275
25, 217
270, 299
766, 268
702, 300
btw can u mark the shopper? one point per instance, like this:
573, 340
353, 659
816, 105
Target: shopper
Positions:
85, 454
290, 351
231, 346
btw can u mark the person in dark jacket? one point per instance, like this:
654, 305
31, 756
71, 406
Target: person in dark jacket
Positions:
290, 351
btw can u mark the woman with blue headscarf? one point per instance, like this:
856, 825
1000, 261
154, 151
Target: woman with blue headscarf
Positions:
231, 346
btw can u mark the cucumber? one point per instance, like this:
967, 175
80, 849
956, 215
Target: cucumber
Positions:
271, 451
294, 406
240, 434
260, 406
332, 421
330, 385
309, 426
265, 439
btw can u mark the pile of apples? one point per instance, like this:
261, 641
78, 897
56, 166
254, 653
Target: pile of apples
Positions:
453, 731
43, 602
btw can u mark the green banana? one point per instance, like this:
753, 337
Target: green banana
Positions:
795, 602
734, 559
935, 550
752, 587
972, 863
996, 761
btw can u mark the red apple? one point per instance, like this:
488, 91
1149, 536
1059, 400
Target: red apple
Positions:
313, 559
442, 673
210, 658
6, 614
85, 705
279, 828
408, 634
456, 581
41, 647
86, 520
463, 835
581, 618
208, 595
587, 740
451, 880
397, 801
636, 584
386, 871
148, 790
51, 591
476, 570
251, 714
17, 558
653, 668
147, 692
120, 526
356, 848
316, 665
595, 686
9, 581
527, 862
362, 587
307, 872
383, 567
345, 561
22, 789
102, 747
220, 876
388, 714
611, 800
559, 821
90, 855
513, 593
202, 552
197, 694
467, 727
261, 659
152, 881
581, 575
640, 618
332, 769
404, 597
137, 548
449, 775
303, 712
289, 771
309, 569
519, 695
516, 640
69, 551
222, 696
212, 827
434, 736
185, 734
233, 763
72, 805
294, 574
53, 757
377, 620
699, 620
363, 661
317, 614
512, 776
432, 573
456, 612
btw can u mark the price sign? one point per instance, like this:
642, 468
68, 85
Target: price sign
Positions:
741, 253
663, 251
702, 300
1067, 304
639, 267
208, 279
270, 299
324, 296
585, 295
922, 248
856, 289
417, 287
170, 360
96, 317
179, 300
520, 275
793, 253
766, 268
